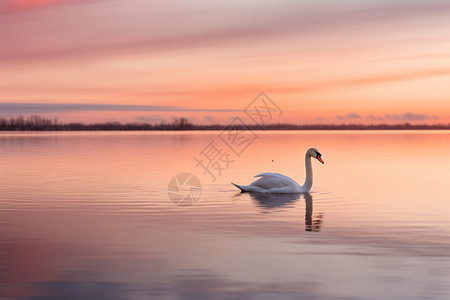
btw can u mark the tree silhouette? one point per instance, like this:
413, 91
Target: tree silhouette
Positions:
38, 123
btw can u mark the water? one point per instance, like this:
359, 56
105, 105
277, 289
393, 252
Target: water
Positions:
88, 216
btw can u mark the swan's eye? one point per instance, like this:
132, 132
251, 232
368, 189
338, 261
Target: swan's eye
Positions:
318, 154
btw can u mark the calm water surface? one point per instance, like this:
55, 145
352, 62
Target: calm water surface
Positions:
88, 216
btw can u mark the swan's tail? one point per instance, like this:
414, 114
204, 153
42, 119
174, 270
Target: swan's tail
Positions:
241, 187
250, 188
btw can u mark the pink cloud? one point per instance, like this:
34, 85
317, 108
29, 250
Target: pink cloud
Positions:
131, 32
13, 6
358, 81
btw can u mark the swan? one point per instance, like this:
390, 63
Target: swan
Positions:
275, 183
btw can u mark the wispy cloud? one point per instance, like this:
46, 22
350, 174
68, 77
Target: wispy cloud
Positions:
321, 118
358, 81
13, 6
393, 77
375, 118
210, 119
150, 119
30, 108
269, 22
406, 117
348, 116
19, 6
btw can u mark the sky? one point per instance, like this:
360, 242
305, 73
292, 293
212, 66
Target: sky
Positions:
348, 61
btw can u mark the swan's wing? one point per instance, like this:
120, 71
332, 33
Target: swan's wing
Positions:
268, 181
275, 175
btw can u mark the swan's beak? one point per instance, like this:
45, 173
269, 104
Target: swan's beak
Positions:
319, 158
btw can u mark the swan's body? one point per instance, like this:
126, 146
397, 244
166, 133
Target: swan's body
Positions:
274, 183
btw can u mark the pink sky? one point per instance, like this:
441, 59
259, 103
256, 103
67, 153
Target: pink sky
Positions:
323, 62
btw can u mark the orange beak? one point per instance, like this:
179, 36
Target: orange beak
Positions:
319, 158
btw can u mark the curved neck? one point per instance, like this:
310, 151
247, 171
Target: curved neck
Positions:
309, 176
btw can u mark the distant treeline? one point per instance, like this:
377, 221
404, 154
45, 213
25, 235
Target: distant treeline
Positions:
38, 123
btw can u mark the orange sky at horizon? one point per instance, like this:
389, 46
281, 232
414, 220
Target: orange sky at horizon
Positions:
349, 62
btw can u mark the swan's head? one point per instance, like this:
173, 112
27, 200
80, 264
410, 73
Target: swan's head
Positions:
313, 152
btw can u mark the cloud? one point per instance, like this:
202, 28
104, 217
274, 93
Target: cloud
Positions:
373, 118
150, 119
19, 6
269, 21
210, 119
361, 81
348, 116
406, 117
321, 119
34, 108
13, 6
393, 77
410, 117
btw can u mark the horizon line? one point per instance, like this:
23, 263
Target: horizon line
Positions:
38, 123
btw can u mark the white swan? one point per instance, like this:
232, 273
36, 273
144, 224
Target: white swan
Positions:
274, 183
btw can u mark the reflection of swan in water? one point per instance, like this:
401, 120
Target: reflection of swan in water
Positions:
270, 201
274, 200
311, 223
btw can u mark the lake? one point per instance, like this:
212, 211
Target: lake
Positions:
97, 215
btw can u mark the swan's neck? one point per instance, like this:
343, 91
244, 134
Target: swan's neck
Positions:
309, 175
